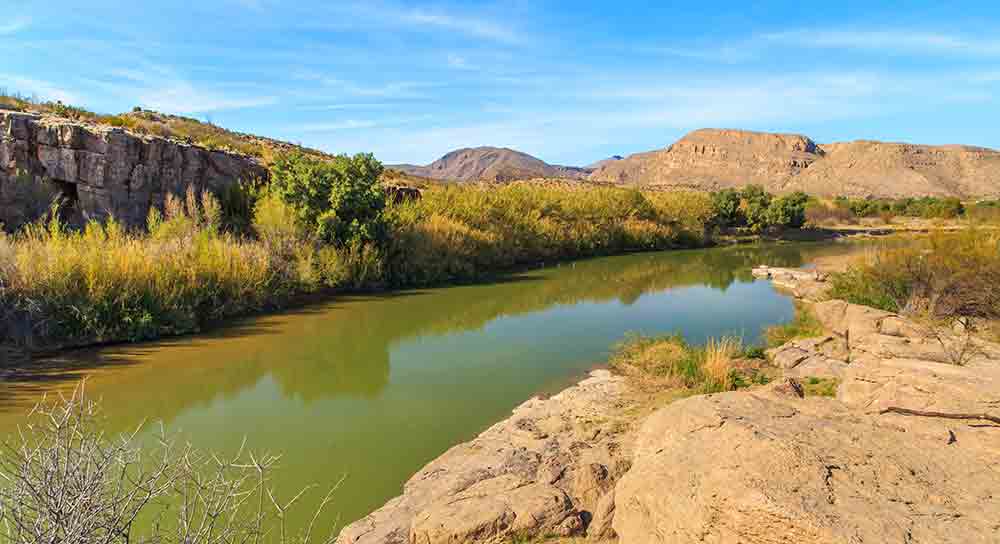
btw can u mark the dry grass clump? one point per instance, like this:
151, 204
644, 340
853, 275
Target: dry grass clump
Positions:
670, 362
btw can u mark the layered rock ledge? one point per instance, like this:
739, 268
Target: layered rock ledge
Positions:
105, 171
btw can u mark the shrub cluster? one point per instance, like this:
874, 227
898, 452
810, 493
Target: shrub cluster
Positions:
928, 207
757, 210
947, 276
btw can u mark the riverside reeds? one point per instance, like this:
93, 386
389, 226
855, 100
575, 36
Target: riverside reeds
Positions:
63, 287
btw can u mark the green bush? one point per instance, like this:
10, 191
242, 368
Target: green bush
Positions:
340, 201
788, 211
726, 207
754, 205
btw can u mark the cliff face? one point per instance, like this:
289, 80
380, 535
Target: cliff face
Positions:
105, 171
712, 159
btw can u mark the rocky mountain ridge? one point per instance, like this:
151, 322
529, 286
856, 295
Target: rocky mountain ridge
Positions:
490, 164
711, 159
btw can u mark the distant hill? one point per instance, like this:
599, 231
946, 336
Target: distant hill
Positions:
610, 160
711, 159
490, 164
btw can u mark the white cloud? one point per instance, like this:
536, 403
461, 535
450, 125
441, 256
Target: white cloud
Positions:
43, 90
888, 40
14, 25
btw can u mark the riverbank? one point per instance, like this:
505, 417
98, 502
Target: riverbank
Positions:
898, 430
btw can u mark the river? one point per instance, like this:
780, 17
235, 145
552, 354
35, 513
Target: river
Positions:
373, 387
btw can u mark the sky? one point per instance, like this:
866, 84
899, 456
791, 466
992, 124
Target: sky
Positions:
571, 82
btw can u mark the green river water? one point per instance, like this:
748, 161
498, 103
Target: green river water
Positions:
374, 387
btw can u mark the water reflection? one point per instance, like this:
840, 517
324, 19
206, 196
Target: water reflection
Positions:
376, 386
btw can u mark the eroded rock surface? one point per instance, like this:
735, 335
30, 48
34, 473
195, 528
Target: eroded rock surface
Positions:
907, 452
763, 468
107, 171
549, 469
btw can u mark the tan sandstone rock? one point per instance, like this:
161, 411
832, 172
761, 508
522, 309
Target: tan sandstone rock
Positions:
548, 469
761, 468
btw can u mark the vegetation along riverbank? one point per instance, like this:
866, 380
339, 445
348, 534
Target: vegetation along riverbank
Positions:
321, 225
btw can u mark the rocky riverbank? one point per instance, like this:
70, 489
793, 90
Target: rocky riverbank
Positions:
904, 452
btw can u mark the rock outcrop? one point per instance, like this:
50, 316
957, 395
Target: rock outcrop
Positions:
906, 452
549, 469
490, 164
711, 159
105, 171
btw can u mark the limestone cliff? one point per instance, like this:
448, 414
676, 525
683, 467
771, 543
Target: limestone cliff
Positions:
105, 171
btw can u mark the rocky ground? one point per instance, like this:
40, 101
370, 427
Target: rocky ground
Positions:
905, 452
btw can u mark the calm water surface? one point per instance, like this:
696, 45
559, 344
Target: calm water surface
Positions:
375, 387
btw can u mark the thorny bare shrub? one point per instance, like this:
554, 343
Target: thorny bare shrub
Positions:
946, 284
63, 480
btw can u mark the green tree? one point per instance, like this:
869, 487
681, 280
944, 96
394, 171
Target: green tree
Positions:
788, 211
726, 208
754, 204
341, 201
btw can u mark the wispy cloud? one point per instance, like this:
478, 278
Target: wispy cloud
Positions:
41, 89
355, 124
162, 89
888, 40
14, 25
472, 26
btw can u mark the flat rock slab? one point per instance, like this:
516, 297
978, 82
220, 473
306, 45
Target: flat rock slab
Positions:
761, 468
549, 469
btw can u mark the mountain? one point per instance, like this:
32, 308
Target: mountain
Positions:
490, 164
610, 160
710, 159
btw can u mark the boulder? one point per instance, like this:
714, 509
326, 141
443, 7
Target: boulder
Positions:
762, 468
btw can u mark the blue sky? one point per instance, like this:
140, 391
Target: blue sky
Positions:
571, 82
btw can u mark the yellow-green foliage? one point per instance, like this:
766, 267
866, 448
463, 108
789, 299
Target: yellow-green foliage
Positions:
465, 232
64, 287
803, 325
104, 283
671, 362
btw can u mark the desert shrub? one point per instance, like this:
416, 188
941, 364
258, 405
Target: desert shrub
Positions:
819, 213
64, 479
947, 276
339, 201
